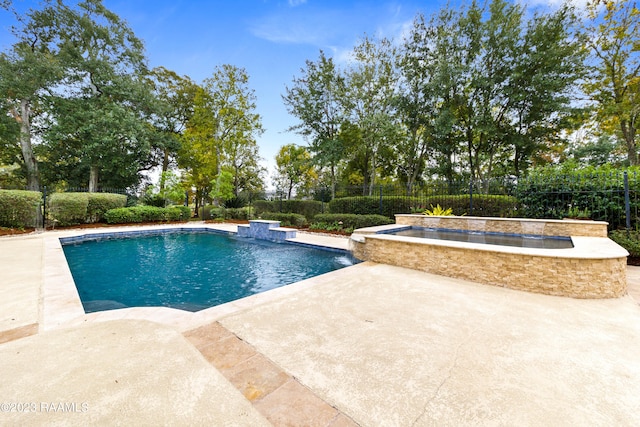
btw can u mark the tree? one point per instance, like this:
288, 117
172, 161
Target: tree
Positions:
614, 83
27, 73
294, 169
221, 134
174, 107
315, 100
371, 84
105, 102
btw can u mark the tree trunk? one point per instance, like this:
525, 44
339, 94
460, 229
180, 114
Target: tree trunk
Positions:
31, 165
629, 134
93, 178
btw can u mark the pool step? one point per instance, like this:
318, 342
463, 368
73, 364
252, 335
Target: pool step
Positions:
266, 230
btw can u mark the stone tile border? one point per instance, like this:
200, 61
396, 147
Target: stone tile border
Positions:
279, 397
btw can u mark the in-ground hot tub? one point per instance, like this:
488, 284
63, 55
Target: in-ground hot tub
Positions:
593, 266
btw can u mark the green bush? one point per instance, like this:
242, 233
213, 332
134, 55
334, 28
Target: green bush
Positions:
137, 214
630, 241
286, 219
81, 208
351, 221
261, 206
99, 203
483, 205
554, 191
68, 208
308, 208
19, 208
212, 212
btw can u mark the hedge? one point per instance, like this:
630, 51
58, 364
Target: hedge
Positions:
68, 208
286, 219
147, 214
99, 203
19, 208
308, 208
213, 212
552, 192
483, 205
82, 208
351, 221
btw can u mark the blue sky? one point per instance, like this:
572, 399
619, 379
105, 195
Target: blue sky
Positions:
271, 39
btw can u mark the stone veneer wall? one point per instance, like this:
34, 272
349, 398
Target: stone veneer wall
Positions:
562, 276
508, 225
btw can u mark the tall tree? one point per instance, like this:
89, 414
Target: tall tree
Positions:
371, 84
614, 84
294, 170
174, 96
221, 134
27, 73
103, 104
315, 100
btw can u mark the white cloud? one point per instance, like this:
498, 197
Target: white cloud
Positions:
294, 3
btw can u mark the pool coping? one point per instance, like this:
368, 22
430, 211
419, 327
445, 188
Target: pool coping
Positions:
60, 304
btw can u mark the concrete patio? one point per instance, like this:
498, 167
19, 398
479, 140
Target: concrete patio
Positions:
367, 345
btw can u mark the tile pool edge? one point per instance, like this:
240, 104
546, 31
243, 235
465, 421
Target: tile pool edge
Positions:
60, 304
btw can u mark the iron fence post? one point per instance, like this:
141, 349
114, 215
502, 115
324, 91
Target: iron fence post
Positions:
627, 203
44, 207
380, 205
471, 197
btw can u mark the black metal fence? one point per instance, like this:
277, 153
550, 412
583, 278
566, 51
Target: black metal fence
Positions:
612, 197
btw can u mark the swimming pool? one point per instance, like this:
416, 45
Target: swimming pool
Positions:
190, 271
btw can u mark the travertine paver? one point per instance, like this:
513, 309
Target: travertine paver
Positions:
116, 373
277, 395
20, 284
392, 346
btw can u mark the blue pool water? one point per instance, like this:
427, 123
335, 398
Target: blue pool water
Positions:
188, 271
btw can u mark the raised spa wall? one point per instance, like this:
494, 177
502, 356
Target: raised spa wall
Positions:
594, 268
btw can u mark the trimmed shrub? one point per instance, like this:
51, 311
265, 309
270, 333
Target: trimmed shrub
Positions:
261, 206
147, 214
19, 208
308, 208
81, 208
286, 219
351, 221
99, 203
554, 191
483, 205
213, 212
68, 208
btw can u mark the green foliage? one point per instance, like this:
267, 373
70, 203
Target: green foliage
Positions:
308, 208
68, 208
551, 192
295, 170
576, 212
219, 213
138, 214
286, 219
348, 221
438, 211
628, 240
262, 206
81, 208
168, 191
19, 208
99, 203
483, 205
